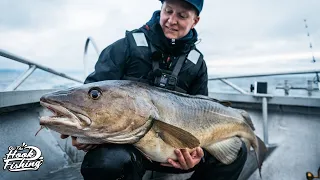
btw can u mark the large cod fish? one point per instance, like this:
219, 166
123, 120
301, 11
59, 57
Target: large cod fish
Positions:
156, 121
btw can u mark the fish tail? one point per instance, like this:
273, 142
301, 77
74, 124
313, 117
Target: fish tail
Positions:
260, 152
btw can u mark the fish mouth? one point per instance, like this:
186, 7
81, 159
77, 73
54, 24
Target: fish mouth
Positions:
63, 115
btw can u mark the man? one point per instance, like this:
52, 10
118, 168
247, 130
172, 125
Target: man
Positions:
161, 53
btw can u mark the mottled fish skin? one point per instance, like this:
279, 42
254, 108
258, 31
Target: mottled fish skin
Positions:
208, 120
155, 120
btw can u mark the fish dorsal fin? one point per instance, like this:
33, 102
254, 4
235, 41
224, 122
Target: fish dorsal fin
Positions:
247, 118
226, 103
261, 152
225, 151
174, 136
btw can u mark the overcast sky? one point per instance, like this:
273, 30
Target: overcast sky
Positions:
265, 35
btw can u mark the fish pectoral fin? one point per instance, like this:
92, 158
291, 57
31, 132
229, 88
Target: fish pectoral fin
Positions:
246, 117
261, 153
225, 151
174, 136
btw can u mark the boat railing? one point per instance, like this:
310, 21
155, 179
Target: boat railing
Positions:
85, 60
286, 87
32, 67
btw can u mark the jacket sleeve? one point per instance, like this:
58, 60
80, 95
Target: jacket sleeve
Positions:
200, 84
111, 62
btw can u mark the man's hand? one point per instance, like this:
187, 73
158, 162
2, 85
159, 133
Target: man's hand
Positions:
186, 160
84, 147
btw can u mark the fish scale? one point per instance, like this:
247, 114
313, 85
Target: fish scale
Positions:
188, 109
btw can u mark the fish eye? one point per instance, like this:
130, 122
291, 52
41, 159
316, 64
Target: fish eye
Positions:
95, 93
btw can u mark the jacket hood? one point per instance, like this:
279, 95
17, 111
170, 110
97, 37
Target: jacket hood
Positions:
154, 33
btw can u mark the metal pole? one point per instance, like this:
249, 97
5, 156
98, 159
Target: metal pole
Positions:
266, 74
13, 86
317, 81
265, 120
30, 63
234, 86
85, 60
310, 45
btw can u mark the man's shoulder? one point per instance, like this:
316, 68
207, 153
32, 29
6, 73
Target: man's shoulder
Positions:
198, 50
126, 39
196, 53
138, 37
138, 30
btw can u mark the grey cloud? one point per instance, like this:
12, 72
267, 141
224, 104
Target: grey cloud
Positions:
28, 14
232, 28
293, 25
229, 29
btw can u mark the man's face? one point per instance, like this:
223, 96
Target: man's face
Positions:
177, 18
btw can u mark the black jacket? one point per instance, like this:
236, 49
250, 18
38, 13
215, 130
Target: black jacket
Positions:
125, 58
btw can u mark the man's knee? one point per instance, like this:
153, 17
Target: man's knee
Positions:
110, 161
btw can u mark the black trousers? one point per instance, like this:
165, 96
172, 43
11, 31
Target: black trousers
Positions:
125, 162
